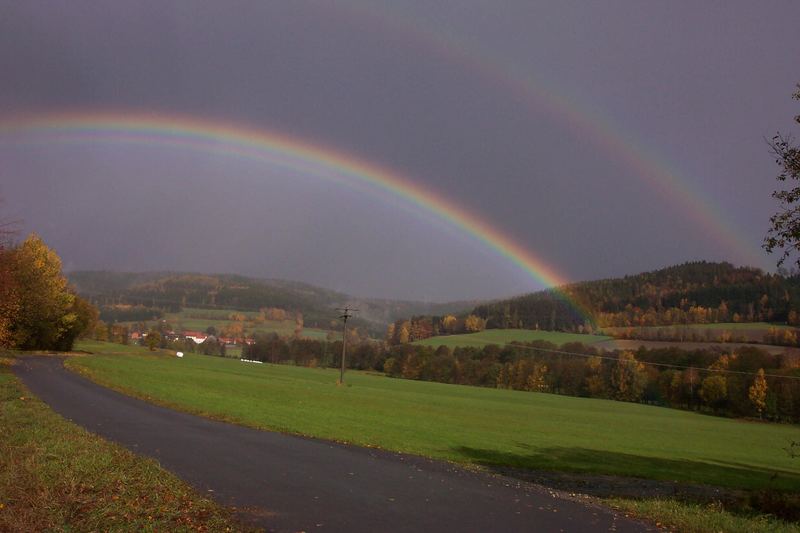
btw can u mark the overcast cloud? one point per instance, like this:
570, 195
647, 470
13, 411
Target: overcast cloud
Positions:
432, 90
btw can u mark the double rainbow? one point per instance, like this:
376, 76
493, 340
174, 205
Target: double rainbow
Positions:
536, 96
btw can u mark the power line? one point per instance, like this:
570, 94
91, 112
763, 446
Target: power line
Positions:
344, 316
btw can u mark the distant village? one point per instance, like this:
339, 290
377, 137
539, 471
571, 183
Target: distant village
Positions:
140, 325
198, 337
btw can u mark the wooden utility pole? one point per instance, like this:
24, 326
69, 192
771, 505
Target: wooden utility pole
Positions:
344, 316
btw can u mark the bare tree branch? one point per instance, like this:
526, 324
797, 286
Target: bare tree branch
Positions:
9, 228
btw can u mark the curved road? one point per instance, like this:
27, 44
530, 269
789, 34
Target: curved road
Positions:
299, 484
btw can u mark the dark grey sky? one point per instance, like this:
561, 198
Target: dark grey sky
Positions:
606, 139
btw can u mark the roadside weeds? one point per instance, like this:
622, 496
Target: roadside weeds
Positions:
59, 477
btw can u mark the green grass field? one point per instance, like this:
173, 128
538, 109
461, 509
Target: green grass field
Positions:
110, 348
503, 336
459, 423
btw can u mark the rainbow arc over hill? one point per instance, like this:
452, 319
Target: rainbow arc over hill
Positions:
276, 148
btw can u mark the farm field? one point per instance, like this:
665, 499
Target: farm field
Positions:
459, 423
190, 319
503, 336
602, 342
110, 348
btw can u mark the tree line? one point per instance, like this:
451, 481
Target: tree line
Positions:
708, 380
129, 313
423, 327
776, 336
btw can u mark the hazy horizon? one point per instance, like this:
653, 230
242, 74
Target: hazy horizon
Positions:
353, 295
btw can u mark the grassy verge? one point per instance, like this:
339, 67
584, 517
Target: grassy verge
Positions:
695, 518
57, 477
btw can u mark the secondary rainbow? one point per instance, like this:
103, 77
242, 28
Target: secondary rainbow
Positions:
537, 96
275, 148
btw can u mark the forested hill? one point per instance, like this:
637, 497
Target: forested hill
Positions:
697, 292
172, 291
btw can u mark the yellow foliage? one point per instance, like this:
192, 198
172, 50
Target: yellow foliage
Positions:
758, 392
404, 334
449, 323
42, 303
474, 323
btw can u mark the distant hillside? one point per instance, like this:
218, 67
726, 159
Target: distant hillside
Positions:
384, 311
172, 291
691, 293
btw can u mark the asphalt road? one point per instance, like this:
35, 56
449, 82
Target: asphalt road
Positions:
299, 484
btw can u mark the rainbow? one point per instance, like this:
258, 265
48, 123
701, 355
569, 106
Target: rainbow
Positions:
539, 97
274, 148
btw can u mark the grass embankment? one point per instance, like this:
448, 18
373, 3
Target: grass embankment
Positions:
503, 336
465, 424
57, 477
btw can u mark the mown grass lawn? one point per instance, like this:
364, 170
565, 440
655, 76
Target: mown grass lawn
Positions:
459, 423
503, 336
